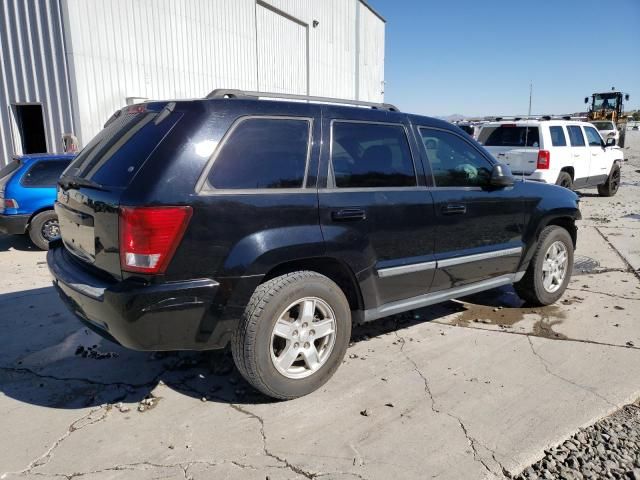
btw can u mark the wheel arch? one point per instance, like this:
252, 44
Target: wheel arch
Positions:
570, 170
37, 212
330, 267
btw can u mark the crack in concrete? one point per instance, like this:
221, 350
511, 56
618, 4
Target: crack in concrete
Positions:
74, 427
525, 334
622, 257
294, 468
545, 365
470, 440
613, 295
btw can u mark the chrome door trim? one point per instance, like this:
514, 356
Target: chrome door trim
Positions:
449, 262
403, 269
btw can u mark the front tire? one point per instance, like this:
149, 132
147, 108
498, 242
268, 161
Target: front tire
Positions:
293, 334
43, 228
610, 187
550, 269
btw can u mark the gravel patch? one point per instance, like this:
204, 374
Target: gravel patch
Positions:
608, 449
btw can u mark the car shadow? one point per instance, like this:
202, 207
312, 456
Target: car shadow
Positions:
17, 242
49, 359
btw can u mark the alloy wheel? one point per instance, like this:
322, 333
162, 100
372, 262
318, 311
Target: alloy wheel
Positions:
303, 337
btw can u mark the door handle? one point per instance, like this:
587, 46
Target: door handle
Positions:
348, 214
454, 209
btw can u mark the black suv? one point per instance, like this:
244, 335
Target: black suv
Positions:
274, 225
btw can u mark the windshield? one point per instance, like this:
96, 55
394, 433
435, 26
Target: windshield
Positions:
606, 101
603, 125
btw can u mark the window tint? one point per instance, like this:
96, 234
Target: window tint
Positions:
454, 162
557, 137
575, 135
8, 169
593, 137
115, 155
510, 136
371, 155
44, 174
262, 153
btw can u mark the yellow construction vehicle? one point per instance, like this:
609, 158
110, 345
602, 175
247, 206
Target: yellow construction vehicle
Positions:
609, 106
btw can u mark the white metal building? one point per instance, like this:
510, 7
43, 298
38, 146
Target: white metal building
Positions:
67, 65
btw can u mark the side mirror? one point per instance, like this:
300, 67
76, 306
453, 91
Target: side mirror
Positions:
586, 99
611, 142
501, 176
626, 97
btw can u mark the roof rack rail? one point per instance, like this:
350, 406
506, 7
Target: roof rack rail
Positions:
230, 93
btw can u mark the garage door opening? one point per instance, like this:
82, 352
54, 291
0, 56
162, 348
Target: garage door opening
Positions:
29, 122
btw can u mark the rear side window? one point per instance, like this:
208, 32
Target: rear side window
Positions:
44, 174
116, 154
371, 155
9, 168
557, 137
263, 153
575, 136
593, 137
511, 136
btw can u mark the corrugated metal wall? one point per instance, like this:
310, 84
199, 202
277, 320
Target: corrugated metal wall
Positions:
33, 69
158, 49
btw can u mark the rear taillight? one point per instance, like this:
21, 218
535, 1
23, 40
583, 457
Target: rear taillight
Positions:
544, 160
149, 236
10, 203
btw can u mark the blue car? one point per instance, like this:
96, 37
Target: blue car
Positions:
27, 194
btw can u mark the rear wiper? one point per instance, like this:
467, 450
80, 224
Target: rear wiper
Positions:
77, 182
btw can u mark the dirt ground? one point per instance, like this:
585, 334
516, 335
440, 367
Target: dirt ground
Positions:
477, 388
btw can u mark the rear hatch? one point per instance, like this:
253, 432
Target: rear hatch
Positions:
90, 189
513, 144
6, 173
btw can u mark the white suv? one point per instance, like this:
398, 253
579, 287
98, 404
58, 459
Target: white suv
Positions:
562, 152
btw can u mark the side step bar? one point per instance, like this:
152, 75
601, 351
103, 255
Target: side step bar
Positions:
440, 296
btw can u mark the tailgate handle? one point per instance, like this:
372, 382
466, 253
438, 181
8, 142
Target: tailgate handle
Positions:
348, 214
454, 209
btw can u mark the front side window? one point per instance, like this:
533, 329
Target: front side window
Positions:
370, 155
557, 137
263, 153
593, 137
575, 136
454, 162
44, 174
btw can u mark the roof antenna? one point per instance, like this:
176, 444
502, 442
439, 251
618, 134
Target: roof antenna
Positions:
526, 129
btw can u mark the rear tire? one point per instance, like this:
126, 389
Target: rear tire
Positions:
280, 324
43, 228
535, 287
610, 187
565, 180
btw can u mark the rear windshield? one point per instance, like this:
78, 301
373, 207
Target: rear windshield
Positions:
603, 125
115, 155
9, 168
510, 136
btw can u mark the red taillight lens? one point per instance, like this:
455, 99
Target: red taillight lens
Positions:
544, 159
149, 236
10, 203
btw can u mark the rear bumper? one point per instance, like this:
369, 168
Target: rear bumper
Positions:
166, 316
14, 224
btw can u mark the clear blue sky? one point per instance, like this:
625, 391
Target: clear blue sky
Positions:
477, 57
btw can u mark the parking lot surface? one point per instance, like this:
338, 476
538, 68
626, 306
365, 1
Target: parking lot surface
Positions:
476, 388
